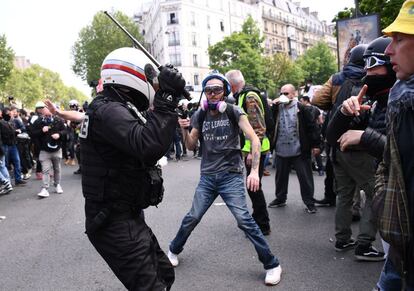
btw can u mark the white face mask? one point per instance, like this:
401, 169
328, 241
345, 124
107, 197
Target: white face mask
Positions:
284, 99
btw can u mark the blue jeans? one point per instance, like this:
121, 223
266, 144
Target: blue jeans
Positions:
230, 186
390, 279
4, 173
12, 156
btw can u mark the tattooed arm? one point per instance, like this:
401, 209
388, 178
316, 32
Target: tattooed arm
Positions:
253, 178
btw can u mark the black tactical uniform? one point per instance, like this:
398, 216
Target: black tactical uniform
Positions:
118, 158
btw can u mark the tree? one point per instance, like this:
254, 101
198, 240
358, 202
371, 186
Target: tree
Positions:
6, 61
36, 83
317, 63
388, 10
241, 50
97, 40
280, 70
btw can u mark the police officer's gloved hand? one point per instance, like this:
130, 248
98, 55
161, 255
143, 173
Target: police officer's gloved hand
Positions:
172, 86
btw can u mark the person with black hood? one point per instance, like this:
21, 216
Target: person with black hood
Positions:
325, 99
361, 139
49, 130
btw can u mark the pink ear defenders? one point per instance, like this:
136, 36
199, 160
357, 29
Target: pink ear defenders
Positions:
220, 106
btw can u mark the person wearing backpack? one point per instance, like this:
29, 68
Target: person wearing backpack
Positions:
326, 99
258, 113
217, 124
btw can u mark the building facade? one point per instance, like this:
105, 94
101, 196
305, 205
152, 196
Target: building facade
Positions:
180, 31
21, 62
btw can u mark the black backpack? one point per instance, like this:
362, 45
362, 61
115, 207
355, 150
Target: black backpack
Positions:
350, 87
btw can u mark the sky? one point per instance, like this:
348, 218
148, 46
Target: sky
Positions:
44, 31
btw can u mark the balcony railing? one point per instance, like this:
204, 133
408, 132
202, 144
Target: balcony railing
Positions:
174, 43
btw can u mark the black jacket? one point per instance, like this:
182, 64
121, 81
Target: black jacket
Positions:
8, 132
46, 142
116, 149
373, 124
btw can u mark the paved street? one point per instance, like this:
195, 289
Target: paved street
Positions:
43, 247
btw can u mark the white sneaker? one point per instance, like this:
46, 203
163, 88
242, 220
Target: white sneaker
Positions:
273, 276
44, 193
173, 258
59, 189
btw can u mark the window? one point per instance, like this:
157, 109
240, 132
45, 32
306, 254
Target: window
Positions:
194, 39
196, 80
222, 25
265, 25
192, 19
172, 19
208, 21
175, 59
195, 60
209, 40
173, 38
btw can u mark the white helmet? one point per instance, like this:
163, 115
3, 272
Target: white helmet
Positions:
40, 104
130, 68
73, 102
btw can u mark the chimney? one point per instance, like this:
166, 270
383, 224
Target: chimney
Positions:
306, 10
315, 14
297, 3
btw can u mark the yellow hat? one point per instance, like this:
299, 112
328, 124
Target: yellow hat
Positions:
404, 22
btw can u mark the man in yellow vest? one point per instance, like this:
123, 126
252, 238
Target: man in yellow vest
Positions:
248, 98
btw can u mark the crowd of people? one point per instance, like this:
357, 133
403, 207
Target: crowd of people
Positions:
35, 142
362, 118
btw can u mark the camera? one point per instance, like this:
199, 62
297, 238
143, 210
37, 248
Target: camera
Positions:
184, 108
182, 112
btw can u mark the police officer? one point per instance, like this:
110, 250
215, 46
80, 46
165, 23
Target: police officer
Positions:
120, 147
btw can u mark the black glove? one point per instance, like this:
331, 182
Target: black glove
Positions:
165, 100
171, 81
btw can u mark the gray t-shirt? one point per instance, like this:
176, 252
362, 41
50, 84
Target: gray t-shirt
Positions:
221, 142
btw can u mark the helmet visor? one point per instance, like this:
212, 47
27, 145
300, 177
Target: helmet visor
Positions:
372, 61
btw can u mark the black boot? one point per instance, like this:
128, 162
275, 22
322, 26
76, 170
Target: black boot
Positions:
325, 202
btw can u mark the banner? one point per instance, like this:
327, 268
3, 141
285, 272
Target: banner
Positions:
354, 31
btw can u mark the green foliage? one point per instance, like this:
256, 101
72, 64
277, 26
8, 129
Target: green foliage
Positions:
37, 83
317, 63
281, 70
6, 61
242, 51
388, 10
344, 14
97, 40
252, 32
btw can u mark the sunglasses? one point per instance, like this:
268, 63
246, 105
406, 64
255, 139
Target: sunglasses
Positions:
372, 61
284, 93
213, 90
